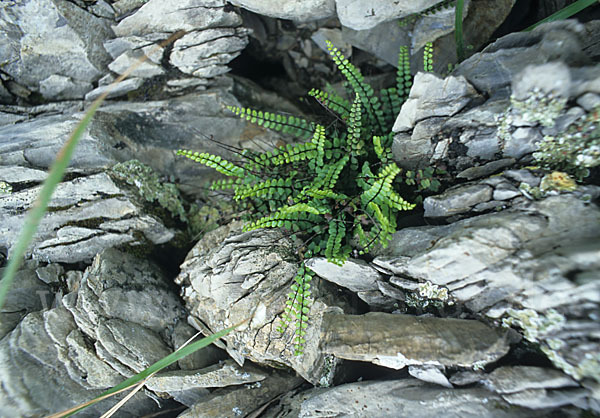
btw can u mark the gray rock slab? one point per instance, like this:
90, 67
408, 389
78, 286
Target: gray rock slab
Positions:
396, 340
543, 399
118, 90
430, 374
299, 11
241, 401
35, 45
456, 201
492, 70
433, 96
510, 379
230, 276
361, 16
82, 202
355, 275
406, 397
227, 373
172, 16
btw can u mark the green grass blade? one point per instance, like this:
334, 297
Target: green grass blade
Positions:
55, 176
156, 367
565, 12
458, 30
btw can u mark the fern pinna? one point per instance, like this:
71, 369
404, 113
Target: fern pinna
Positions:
337, 192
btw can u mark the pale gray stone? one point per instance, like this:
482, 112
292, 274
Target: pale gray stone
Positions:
505, 191
397, 341
430, 374
241, 401
355, 275
360, 16
296, 10
543, 399
120, 89
383, 41
550, 78
433, 96
510, 379
456, 201
230, 276
172, 16
523, 141
407, 397
589, 101
123, 62
226, 373
486, 169
493, 69
36, 37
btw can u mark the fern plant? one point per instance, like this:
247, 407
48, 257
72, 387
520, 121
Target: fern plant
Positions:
337, 192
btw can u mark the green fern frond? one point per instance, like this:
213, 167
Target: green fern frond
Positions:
280, 123
428, 57
213, 161
225, 184
272, 187
297, 308
403, 75
332, 102
333, 248
363, 90
294, 153
354, 128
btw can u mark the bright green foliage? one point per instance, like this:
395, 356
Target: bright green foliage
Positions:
297, 308
337, 192
428, 58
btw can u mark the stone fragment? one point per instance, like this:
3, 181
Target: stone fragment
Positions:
120, 89
355, 275
522, 142
296, 10
511, 379
243, 400
396, 340
505, 191
456, 201
433, 96
230, 276
487, 169
542, 398
360, 16
34, 46
407, 397
159, 16
430, 374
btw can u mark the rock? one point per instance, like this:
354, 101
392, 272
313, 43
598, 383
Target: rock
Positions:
231, 276
35, 44
360, 16
433, 96
486, 169
298, 11
197, 52
407, 397
169, 17
241, 401
456, 201
27, 294
515, 265
542, 399
523, 141
493, 69
396, 341
355, 275
511, 379
430, 374
383, 41
505, 191
82, 220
